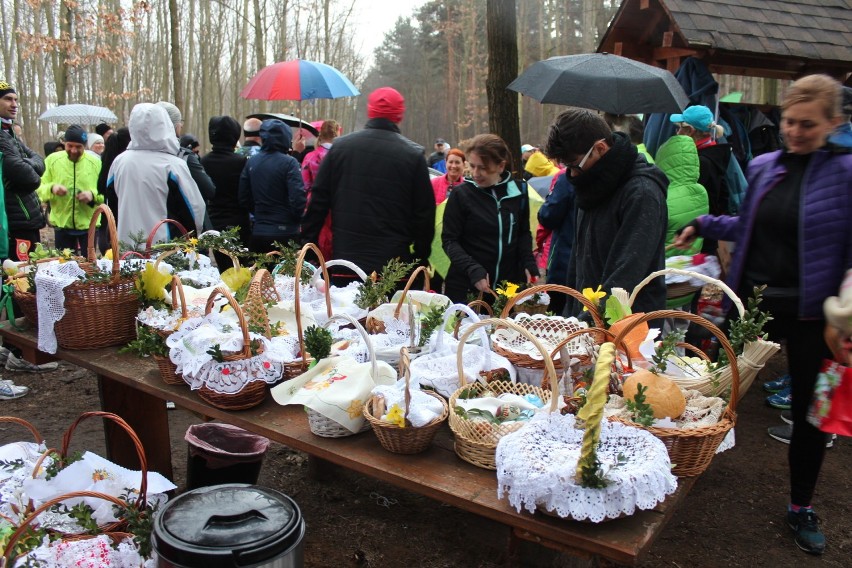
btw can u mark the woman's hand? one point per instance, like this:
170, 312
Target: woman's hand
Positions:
530, 278
483, 285
686, 237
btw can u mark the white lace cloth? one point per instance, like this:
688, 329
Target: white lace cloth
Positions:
189, 345
422, 409
536, 467
549, 330
51, 279
94, 552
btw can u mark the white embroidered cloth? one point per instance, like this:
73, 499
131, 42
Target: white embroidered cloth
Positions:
51, 279
94, 552
422, 409
549, 330
536, 467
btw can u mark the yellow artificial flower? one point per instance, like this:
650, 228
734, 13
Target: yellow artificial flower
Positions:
193, 241
594, 296
108, 254
396, 416
510, 291
236, 278
152, 283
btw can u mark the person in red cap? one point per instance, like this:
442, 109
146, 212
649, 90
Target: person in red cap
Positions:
375, 183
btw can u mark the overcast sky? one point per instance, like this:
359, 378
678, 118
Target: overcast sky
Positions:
377, 17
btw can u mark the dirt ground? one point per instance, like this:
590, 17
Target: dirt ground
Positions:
732, 517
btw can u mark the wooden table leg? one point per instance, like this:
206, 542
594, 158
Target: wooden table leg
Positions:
148, 417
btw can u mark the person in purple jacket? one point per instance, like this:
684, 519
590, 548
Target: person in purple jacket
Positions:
794, 235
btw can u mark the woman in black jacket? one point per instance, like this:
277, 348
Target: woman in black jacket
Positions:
487, 224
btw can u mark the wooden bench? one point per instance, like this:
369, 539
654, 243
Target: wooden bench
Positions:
132, 388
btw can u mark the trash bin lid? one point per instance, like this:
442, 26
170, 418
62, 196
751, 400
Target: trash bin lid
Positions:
227, 525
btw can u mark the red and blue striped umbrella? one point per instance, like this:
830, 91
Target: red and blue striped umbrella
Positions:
298, 80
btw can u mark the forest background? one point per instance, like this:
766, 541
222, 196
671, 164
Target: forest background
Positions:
199, 54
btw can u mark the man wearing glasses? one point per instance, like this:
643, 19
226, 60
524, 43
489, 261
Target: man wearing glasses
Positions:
621, 209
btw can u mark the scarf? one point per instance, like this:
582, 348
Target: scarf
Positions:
597, 185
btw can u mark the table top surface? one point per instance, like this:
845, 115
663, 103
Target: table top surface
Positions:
437, 473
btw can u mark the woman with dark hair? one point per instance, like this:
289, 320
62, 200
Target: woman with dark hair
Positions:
487, 224
794, 236
444, 185
114, 145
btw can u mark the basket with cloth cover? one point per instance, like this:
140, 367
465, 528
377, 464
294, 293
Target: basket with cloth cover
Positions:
18, 286
75, 314
549, 330
438, 369
418, 429
691, 450
335, 389
476, 439
30, 499
749, 363
539, 467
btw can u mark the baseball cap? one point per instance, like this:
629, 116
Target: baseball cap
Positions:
699, 117
527, 148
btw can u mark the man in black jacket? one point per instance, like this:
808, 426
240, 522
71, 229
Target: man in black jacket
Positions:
22, 169
375, 183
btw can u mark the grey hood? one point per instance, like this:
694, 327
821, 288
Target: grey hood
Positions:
152, 129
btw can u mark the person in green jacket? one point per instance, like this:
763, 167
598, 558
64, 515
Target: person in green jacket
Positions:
69, 186
686, 198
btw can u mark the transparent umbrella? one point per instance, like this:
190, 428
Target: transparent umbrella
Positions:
78, 114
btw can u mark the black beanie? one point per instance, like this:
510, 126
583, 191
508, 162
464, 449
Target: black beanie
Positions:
6, 88
75, 133
102, 128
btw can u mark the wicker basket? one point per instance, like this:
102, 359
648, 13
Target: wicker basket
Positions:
168, 370
376, 325
99, 314
253, 392
27, 303
691, 450
476, 442
408, 440
754, 356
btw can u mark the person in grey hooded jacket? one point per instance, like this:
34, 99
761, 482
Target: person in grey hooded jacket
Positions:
271, 187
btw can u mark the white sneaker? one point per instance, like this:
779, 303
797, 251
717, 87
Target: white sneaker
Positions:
10, 391
15, 364
4, 355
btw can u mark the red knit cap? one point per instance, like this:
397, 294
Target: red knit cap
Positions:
386, 102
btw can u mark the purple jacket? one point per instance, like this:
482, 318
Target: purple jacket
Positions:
825, 221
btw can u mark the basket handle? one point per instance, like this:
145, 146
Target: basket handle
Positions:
261, 286
405, 370
540, 288
486, 341
153, 234
91, 253
608, 335
419, 270
137, 443
706, 324
339, 262
300, 261
235, 260
364, 335
13, 538
28, 425
703, 277
178, 298
162, 256
211, 300
548, 363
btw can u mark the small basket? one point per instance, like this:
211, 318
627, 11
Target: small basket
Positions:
476, 442
178, 302
408, 440
99, 314
376, 325
253, 392
168, 370
324, 426
27, 303
692, 450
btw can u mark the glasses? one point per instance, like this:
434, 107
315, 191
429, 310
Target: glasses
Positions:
578, 169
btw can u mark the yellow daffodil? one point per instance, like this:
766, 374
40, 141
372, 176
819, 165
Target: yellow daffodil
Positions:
108, 254
594, 296
152, 282
236, 278
510, 291
193, 241
396, 416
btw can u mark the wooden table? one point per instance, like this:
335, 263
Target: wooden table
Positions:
132, 388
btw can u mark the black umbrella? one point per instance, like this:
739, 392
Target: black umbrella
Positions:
604, 82
286, 119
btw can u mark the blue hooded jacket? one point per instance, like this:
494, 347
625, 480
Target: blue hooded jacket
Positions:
271, 185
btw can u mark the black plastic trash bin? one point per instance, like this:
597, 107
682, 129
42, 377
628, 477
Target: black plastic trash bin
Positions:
222, 453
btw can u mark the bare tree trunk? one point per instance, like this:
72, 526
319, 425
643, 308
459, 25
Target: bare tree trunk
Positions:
501, 24
177, 72
65, 21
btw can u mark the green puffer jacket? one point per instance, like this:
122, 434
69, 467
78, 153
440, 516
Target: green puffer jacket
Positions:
686, 199
66, 212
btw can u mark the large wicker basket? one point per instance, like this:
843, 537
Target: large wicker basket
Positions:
253, 392
396, 439
99, 314
750, 362
691, 450
476, 442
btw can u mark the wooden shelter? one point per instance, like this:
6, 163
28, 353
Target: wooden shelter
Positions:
780, 39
